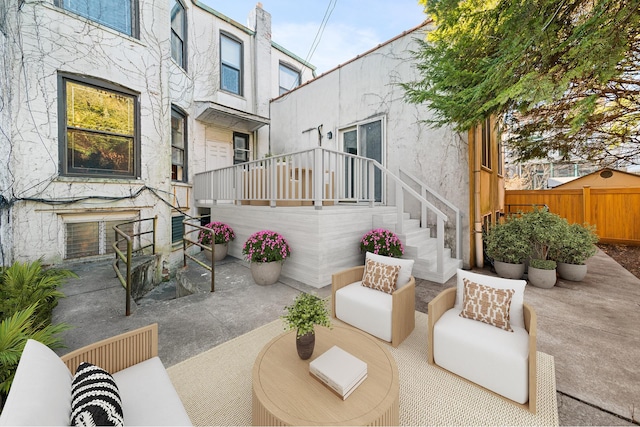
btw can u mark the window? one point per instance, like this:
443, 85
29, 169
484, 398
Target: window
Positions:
240, 148
500, 157
230, 64
120, 15
85, 239
486, 143
179, 34
177, 228
98, 129
178, 146
366, 140
289, 78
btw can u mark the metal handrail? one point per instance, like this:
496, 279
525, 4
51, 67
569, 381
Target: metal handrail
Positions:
121, 236
187, 243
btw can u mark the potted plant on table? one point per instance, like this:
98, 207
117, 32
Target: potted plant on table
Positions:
509, 246
382, 242
266, 250
218, 236
306, 311
577, 245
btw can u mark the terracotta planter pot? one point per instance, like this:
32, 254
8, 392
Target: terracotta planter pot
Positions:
220, 249
572, 272
542, 278
508, 270
305, 345
266, 273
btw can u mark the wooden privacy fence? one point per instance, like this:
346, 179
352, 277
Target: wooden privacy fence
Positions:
614, 211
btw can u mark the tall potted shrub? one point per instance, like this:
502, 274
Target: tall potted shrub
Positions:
508, 245
577, 245
546, 231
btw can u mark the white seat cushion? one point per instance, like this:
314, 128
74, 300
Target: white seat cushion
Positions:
516, 312
41, 390
366, 309
491, 357
148, 396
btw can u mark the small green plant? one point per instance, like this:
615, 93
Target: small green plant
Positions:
545, 230
577, 245
306, 311
508, 241
543, 264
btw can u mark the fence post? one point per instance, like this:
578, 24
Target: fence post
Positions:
586, 203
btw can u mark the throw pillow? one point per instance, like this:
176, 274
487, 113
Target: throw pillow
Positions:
487, 304
406, 267
95, 398
379, 276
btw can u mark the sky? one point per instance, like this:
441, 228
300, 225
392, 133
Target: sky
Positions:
354, 26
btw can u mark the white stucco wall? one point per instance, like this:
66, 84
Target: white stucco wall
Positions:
54, 41
367, 89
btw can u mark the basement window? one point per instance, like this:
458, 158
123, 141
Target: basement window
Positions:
84, 239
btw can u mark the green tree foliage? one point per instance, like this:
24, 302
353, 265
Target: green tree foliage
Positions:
565, 75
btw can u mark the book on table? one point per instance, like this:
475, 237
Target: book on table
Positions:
339, 370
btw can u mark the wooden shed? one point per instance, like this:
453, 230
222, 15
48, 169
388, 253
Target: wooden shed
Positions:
603, 178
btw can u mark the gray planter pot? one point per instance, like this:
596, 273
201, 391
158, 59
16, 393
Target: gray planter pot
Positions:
572, 272
266, 273
220, 250
508, 270
542, 278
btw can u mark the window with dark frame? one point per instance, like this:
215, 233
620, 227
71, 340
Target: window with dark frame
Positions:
121, 15
240, 148
486, 144
98, 130
178, 146
179, 33
289, 78
230, 64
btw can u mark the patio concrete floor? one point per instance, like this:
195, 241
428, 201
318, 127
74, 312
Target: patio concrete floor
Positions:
590, 327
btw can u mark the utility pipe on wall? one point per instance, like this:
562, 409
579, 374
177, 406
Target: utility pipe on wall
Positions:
477, 214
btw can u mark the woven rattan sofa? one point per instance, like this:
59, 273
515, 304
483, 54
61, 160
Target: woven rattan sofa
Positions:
500, 361
41, 390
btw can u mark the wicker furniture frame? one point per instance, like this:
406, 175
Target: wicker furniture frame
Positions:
446, 300
403, 319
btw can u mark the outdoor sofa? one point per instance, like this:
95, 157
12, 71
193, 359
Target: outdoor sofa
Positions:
41, 390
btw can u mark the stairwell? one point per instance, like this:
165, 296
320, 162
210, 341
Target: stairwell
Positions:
421, 247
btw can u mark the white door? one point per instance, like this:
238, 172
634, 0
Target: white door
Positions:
219, 155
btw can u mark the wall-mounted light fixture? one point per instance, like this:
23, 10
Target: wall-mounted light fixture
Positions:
329, 135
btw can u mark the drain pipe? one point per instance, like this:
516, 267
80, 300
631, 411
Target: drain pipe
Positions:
477, 215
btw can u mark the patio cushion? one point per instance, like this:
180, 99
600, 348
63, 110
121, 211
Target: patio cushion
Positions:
491, 357
366, 309
406, 267
148, 396
487, 304
95, 400
516, 311
379, 276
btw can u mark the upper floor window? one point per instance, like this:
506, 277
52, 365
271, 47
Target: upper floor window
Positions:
178, 146
120, 15
486, 144
98, 129
289, 78
230, 64
179, 33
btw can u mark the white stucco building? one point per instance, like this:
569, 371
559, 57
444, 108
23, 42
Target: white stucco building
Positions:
107, 114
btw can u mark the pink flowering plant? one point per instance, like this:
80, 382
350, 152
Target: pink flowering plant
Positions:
266, 246
220, 233
382, 242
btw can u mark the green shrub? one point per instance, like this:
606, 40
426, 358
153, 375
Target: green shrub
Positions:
543, 264
577, 245
508, 241
545, 230
25, 284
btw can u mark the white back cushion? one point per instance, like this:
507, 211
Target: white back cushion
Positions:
41, 390
406, 266
516, 313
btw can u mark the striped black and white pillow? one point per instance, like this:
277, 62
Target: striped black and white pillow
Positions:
95, 399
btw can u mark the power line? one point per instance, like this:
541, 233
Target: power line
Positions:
323, 24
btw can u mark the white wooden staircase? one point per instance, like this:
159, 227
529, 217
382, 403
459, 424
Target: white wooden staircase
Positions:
421, 247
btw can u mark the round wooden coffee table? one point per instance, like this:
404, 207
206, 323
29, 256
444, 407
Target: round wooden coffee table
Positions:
285, 393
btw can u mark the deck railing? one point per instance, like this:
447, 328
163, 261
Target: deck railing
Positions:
317, 177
